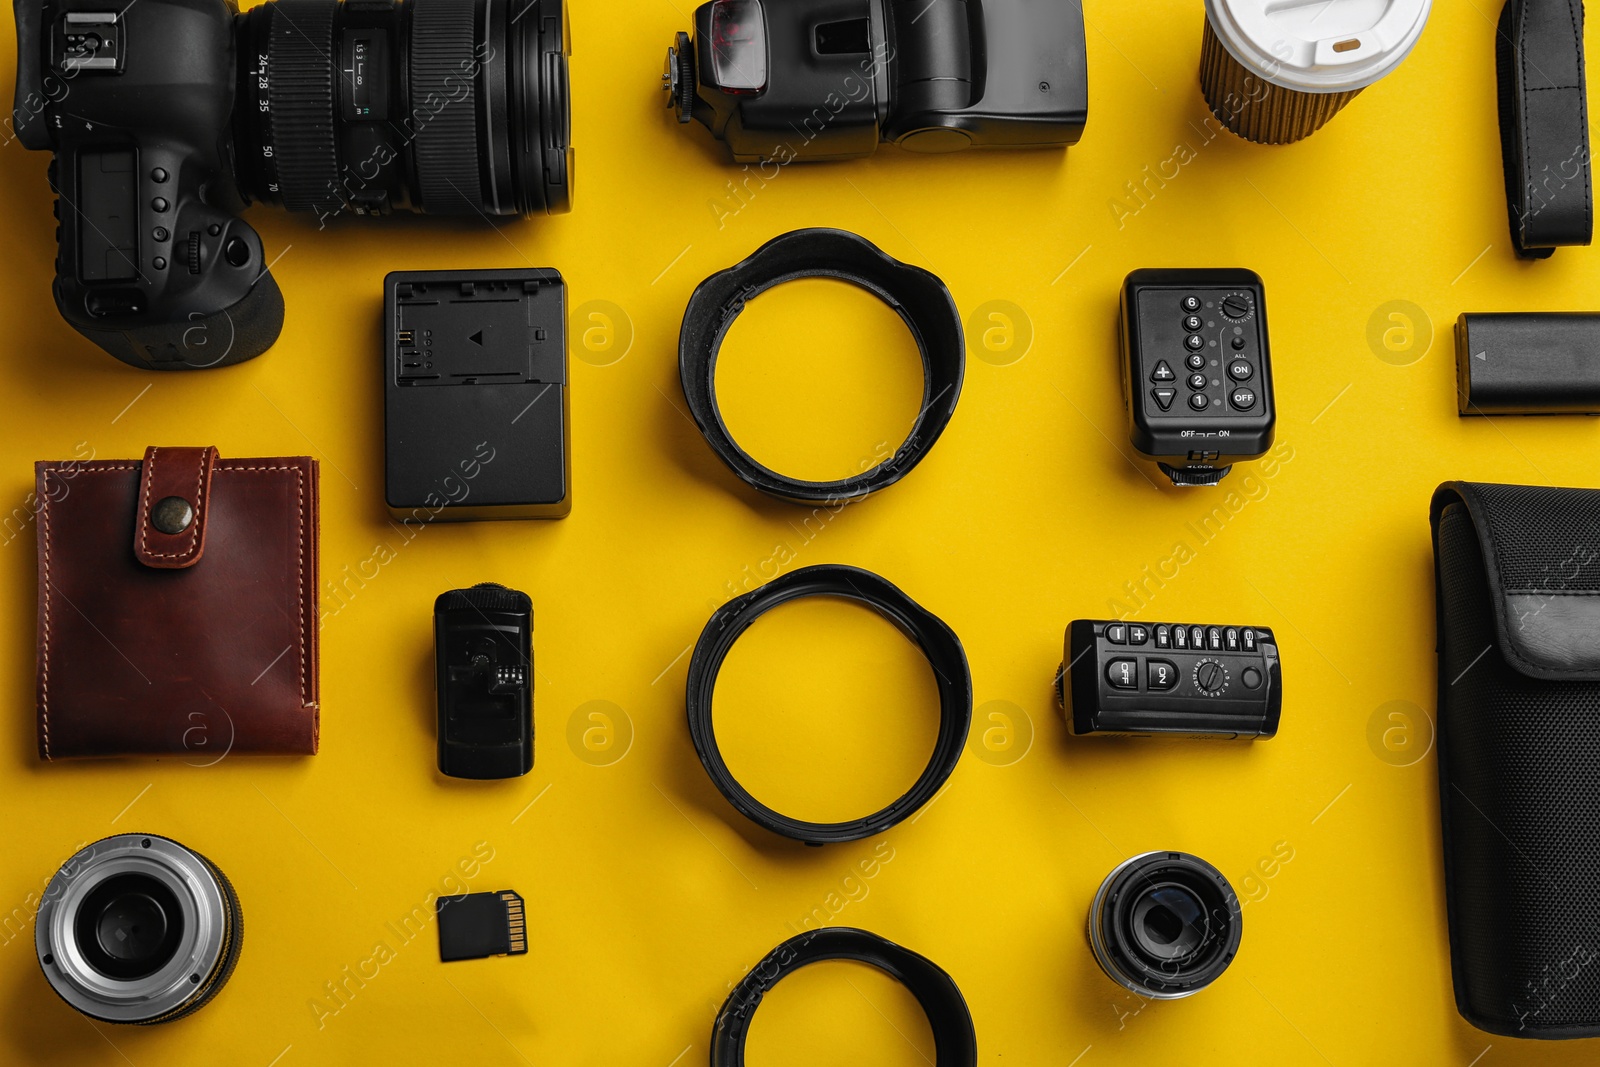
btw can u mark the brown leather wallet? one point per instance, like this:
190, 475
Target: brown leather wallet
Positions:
177, 606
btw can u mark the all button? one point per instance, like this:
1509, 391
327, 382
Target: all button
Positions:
1164, 397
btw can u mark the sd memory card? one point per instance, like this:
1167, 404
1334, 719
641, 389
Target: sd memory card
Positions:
477, 925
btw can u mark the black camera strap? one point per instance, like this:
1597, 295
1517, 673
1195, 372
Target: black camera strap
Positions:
1544, 125
918, 296
937, 641
955, 1041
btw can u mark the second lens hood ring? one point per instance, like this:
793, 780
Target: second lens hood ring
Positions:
955, 1040
936, 640
918, 296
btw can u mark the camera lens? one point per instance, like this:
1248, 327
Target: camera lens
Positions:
449, 107
138, 929
1165, 925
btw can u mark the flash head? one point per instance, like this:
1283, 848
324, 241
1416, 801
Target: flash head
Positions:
831, 79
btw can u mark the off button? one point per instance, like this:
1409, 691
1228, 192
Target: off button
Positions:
1123, 673
1244, 398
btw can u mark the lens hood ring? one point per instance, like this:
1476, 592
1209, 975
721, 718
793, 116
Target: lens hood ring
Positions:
918, 296
936, 640
955, 1040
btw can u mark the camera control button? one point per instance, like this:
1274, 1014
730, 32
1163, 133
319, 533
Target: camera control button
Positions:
1138, 634
1191, 304
159, 204
1214, 639
1160, 674
237, 251
1163, 634
1244, 398
1240, 370
1230, 639
1237, 342
1164, 397
1194, 342
1193, 323
1248, 636
1123, 673
1251, 678
1117, 633
158, 175
1163, 373
1198, 401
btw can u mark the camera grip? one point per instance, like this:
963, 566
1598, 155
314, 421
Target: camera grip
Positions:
231, 335
215, 305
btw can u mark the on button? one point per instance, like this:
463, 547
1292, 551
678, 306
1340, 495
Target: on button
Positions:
1161, 674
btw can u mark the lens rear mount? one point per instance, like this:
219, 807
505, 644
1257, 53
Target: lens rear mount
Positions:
1165, 925
138, 929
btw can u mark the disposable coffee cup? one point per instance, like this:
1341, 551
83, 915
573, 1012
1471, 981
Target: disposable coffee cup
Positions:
1274, 72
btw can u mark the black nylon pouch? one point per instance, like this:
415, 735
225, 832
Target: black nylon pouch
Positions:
1517, 572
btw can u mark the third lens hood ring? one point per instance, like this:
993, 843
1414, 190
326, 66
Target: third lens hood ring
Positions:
917, 295
936, 640
955, 1041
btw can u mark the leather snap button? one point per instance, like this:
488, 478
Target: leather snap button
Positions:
172, 515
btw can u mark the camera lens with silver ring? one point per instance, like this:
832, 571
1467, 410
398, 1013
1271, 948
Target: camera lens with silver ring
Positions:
1165, 925
136, 928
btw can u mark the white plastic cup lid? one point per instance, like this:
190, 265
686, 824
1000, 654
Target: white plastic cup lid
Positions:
1319, 46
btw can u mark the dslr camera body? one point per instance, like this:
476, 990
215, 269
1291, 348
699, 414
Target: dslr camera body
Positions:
136, 101
168, 117
789, 80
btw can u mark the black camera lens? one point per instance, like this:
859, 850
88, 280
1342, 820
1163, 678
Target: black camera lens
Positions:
138, 929
1165, 925
449, 107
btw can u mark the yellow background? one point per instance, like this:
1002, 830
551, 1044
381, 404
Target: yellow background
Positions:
647, 895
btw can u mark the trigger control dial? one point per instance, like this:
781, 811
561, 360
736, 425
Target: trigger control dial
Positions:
1237, 306
1210, 677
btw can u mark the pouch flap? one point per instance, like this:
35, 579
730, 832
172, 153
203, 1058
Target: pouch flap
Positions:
1541, 549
